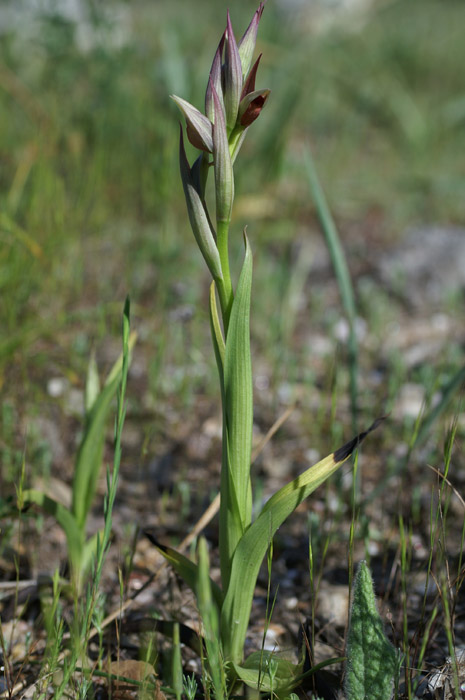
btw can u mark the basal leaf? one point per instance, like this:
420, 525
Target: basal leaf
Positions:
255, 672
253, 545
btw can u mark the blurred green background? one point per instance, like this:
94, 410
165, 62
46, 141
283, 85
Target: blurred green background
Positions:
91, 206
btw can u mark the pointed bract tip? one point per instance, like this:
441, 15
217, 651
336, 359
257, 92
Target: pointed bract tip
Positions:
247, 42
249, 85
232, 77
198, 126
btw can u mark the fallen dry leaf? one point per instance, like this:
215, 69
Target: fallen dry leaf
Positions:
132, 670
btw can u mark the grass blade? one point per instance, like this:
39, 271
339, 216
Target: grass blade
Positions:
89, 457
341, 271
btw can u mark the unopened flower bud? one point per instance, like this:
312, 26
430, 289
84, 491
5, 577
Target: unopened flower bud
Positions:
249, 84
198, 126
251, 106
215, 80
248, 41
198, 217
232, 77
224, 179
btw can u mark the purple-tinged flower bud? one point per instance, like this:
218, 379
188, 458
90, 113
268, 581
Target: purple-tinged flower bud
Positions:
232, 77
198, 126
224, 179
198, 216
215, 80
248, 41
251, 106
249, 84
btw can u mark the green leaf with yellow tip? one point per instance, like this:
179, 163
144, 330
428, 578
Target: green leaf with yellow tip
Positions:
253, 545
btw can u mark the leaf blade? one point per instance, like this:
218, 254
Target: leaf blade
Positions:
253, 545
236, 489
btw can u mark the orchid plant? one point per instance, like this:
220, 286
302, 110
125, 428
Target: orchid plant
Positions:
232, 105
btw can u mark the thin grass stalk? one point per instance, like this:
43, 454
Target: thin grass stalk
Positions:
176, 664
424, 643
423, 429
342, 273
449, 629
112, 478
460, 570
403, 572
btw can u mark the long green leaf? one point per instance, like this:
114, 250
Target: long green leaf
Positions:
90, 453
217, 336
89, 457
253, 545
236, 490
186, 569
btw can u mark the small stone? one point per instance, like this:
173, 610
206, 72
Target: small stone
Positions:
57, 386
410, 401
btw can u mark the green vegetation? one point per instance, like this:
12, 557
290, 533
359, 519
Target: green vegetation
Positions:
91, 210
372, 662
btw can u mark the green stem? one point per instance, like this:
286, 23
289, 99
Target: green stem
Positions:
225, 291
